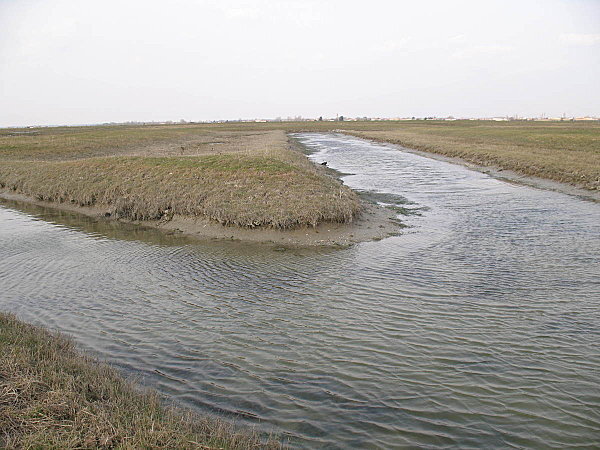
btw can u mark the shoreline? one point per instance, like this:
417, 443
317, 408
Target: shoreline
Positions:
54, 396
495, 171
374, 223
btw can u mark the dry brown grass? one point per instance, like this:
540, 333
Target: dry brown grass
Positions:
247, 179
52, 397
64, 143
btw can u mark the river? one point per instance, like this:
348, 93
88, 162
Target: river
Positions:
477, 326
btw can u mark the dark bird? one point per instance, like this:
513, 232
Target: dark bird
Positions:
324, 163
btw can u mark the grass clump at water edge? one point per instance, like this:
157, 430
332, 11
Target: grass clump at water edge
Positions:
53, 397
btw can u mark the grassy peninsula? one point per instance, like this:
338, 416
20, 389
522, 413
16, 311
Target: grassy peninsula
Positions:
242, 177
53, 397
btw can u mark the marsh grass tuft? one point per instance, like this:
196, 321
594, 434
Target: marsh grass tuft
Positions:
53, 397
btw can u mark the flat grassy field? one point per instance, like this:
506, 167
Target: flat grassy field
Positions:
237, 176
53, 397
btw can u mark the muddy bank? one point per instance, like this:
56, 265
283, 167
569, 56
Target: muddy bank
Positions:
374, 223
515, 177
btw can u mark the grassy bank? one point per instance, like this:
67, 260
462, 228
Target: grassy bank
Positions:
560, 151
52, 397
243, 178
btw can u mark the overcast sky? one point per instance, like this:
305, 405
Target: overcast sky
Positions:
75, 62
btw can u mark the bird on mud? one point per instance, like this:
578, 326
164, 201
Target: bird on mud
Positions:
324, 163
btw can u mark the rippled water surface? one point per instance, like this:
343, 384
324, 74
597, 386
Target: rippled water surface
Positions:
478, 326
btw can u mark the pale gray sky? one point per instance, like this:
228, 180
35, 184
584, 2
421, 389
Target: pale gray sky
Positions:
74, 62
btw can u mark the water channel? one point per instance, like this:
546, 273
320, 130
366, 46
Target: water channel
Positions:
479, 325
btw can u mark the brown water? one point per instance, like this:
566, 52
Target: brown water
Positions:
479, 326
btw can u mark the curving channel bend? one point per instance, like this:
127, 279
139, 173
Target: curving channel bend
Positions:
478, 326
